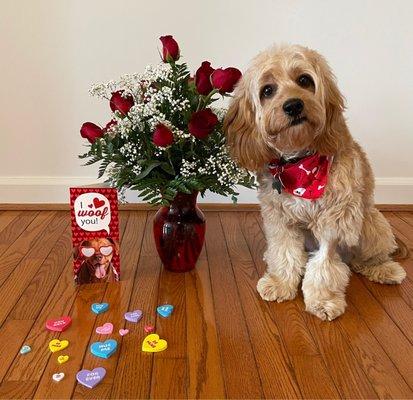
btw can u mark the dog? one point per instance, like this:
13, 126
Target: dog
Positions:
97, 255
285, 122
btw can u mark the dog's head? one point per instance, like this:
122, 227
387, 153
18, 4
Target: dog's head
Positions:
97, 255
286, 102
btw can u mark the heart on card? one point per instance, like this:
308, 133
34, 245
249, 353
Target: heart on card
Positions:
58, 324
105, 329
104, 349
99, 308
98, 203
123, 332
58, 377
90, 378
153, 344
62, 359
57, 345
165, 310
25, 349
133, 316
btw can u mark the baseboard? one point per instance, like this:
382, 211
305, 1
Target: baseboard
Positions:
53, 192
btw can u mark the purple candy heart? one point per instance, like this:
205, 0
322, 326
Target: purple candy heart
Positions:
133, 316
91, 378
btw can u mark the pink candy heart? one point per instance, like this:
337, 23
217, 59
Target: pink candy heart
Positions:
105, 329
123, 332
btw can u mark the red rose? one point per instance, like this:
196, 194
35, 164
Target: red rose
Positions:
202, 123
225, 79
203, 78
119, 103
163, 136
170, 50
111, 123
91, 131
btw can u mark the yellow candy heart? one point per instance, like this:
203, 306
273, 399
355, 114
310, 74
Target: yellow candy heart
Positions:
62, 359
153, 344
57, 345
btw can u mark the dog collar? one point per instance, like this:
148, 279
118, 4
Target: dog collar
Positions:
306, 178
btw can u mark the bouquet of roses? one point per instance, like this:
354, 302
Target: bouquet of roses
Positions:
165, 136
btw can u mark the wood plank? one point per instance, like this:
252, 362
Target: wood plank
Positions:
169, 379
24, 244
13, 332
309, 367
118, 296
17, 390
136, 382
12, 231
381, 371
204, 361
347, 374
391, 339
262, 329
19, 278
83, 321
238, 360
7, 217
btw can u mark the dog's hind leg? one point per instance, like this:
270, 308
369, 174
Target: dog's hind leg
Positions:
373, 257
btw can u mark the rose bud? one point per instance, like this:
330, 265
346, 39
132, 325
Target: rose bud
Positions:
202, 123
91, 131
119, 103
203, 78
170, 50
163, 136
111, 123
225, 79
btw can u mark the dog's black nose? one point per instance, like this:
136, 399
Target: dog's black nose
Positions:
293, 107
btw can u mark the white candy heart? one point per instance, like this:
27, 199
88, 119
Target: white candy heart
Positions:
58, 377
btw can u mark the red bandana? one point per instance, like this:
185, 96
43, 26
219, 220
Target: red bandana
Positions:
304, 178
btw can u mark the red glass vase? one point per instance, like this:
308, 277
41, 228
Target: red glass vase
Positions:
179, 231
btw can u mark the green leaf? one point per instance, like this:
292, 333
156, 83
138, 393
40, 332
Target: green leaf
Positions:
148, 170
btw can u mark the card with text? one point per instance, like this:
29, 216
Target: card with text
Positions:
95, 234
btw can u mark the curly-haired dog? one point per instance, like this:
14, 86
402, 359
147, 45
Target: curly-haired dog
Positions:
287, 110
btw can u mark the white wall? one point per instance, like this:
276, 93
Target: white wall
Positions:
52, 50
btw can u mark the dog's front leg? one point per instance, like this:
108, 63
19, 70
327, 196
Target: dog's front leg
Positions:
325, 280
285, 257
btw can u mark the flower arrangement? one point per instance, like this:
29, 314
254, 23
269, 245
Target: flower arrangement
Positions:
165, 136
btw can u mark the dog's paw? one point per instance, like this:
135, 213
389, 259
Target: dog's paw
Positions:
389, 272
272, 289
326, 309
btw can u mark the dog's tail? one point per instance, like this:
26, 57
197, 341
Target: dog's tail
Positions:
402, 252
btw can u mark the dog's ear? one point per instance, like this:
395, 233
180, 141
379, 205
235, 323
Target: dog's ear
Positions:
115, 244
243, 138
328, 142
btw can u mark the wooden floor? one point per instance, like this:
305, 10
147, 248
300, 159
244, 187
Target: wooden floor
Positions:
223, 340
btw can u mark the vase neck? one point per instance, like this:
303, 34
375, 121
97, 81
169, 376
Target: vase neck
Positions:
182, 200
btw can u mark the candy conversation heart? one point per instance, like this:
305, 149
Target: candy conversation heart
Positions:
58, 377
58, 324
99, 308
25, 349
57, 345
153, 344
90, 378
104, 349
105, 329
165, 310
133, 316
62, 359
123, 332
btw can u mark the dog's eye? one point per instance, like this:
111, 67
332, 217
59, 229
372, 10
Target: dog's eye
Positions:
305, 81
267, 91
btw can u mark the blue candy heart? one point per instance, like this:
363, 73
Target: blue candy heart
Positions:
25, 349
165, 310
104, 349
99, 308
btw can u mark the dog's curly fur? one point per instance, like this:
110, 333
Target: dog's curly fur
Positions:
344, 219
